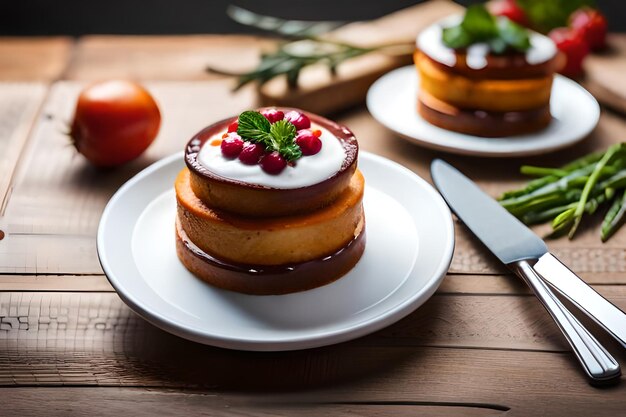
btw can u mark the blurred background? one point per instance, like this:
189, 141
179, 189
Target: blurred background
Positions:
79, 17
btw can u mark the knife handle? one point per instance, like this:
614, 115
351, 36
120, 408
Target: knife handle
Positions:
598, 308
599, 365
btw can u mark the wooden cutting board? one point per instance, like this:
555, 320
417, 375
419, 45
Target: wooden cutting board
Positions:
605, 74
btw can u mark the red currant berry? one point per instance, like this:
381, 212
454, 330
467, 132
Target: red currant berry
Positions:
573, 46
251, 153
273, 115
299, 120
231, 145
273, 163
309, 143
591, 25
233, 126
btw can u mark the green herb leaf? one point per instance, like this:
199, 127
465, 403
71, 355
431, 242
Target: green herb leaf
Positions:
291, 152
279, 136
479, 23
497, 45
456, 37
254, 127
284, 133
513, 34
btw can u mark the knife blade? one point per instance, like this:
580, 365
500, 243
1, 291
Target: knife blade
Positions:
516, 246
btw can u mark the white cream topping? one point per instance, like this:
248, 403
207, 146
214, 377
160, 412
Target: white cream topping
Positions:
308, 170
430, 42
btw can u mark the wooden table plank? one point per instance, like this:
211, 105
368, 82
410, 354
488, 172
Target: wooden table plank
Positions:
174, 58
57, 320
19, 104
73, 283
151, 402
34, 59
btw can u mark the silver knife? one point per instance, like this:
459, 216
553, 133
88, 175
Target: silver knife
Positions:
516, 246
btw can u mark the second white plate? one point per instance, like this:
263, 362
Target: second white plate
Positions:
392, 100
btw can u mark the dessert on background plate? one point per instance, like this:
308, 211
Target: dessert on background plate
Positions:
484, 75
270, 203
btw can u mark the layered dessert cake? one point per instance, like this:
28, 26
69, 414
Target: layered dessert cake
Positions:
270, 202
484, 75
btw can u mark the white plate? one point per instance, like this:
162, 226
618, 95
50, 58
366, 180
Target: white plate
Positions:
392, 100
410, 240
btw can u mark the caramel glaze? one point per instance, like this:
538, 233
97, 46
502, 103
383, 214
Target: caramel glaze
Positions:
268, 280
480, 122
262, 201
511, 66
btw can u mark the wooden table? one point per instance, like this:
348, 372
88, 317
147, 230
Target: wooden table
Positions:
481, 346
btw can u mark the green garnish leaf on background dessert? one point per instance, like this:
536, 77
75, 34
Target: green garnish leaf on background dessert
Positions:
479, 25
279, 136
513, 34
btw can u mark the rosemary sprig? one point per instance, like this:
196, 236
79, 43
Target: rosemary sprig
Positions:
305, 48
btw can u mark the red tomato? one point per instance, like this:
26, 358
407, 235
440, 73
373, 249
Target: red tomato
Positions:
510, 9
114, 122
591, 25
573, 46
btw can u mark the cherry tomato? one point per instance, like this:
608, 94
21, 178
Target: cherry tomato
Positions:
114, 122
591, 25
573, 46
510, 9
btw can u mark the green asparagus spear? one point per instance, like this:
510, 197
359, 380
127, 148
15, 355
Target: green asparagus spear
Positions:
614, 218
591, 182
564, 195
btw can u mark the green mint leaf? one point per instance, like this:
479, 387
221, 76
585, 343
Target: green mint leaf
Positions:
290, 152
497, 45
479, 23
253, 126
456, 37
284, 133
513, 34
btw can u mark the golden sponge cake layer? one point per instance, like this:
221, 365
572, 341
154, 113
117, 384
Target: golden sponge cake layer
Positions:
271, 241
499, 95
